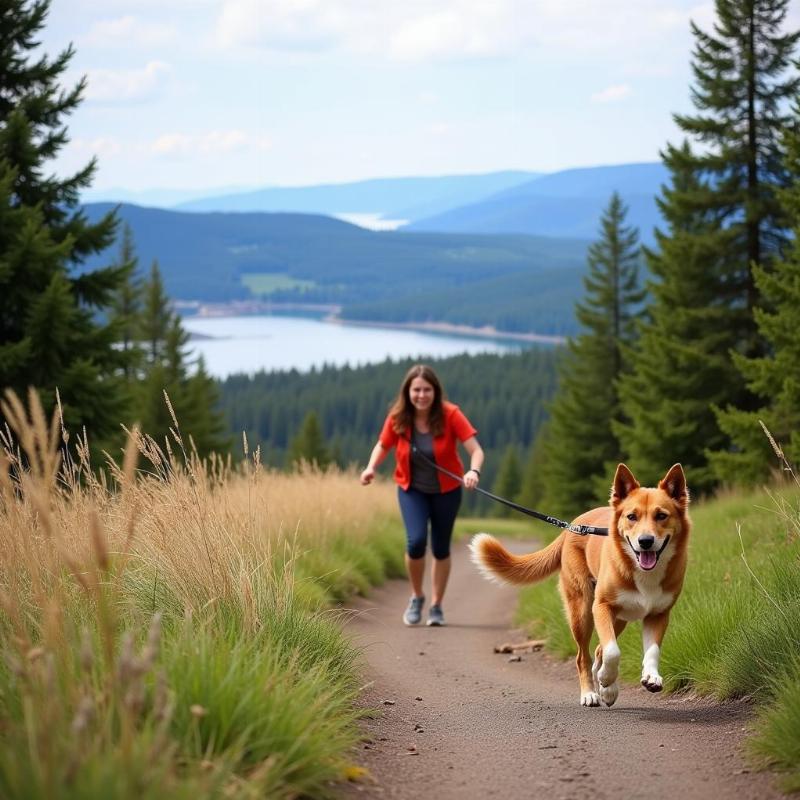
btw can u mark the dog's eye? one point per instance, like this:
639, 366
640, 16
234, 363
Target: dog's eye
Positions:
632, 517
661, 516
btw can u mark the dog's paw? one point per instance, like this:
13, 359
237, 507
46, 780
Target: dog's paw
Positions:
590, 699
607, 674
610, 693
595, 681
653, 682
609, 669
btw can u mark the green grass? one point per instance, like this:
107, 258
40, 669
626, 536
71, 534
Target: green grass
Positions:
735, 630
269, 711
345, 567
263, 284
516, 527
776, 740
251, 696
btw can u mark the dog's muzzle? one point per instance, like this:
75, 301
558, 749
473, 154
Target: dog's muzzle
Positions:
647, 558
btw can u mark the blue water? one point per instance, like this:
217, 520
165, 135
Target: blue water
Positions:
252, 343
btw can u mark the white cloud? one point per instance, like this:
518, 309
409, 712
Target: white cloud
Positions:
435, 30
101, 146
210, 143
279, 24
449, 34
612, 94
123, 86
127, 31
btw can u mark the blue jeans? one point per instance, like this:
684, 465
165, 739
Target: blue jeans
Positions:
418, 509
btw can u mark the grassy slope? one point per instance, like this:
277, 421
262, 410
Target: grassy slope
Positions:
173, 637
735, 632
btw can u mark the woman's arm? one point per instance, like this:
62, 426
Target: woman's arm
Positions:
377, 455
473, 474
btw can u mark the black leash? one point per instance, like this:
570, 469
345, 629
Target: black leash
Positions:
581, 530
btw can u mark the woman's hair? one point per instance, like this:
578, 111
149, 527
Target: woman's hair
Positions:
402, 412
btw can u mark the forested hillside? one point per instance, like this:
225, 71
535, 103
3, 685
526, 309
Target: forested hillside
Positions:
503, 395
389, 275
542, 302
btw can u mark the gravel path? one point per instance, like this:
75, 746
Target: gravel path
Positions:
457, 720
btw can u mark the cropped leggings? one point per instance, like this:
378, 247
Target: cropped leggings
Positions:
418, 509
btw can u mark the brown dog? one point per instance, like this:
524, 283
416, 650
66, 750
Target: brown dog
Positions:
636, 572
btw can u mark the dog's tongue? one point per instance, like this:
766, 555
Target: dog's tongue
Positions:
647, 559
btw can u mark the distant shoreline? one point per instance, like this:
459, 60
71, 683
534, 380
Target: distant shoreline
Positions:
484, 332
248, 308
331, 312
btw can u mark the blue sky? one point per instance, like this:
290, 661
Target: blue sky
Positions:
197, 94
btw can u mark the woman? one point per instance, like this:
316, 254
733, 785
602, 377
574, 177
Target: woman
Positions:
421, 416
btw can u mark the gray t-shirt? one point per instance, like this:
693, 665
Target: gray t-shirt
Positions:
424, 477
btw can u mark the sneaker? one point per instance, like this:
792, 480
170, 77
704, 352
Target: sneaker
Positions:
436, 616
413, 614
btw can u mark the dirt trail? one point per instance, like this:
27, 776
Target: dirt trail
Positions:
466, 723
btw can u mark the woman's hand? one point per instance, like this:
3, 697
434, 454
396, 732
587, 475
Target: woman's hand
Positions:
473, 475
375, 459
471, 478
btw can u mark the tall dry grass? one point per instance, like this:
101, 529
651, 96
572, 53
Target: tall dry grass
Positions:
123, 591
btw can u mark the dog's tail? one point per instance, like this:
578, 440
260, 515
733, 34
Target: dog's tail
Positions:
497, 564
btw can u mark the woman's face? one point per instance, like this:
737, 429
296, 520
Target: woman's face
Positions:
421, 394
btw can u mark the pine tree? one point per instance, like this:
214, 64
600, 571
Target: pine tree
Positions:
309, 444
204, 421
51, 329
531, 489
722, 216
508, 481
581, 447
164, 369
126, 306
194, 397
775, 377
156, 316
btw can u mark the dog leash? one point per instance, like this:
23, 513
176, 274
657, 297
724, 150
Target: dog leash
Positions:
581, 530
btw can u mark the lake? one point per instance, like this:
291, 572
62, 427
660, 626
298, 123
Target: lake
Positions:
252, 343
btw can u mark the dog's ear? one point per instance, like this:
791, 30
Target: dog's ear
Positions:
674, 484
624, 484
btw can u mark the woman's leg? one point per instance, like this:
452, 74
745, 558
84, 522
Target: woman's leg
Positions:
415, 569
444, 508
414, 510
440, 572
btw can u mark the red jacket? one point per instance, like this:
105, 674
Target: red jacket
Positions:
456, 428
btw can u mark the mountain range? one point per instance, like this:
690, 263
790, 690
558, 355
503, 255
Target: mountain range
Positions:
393, 198
566, 203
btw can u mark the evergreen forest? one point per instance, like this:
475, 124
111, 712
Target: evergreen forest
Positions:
505, 397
